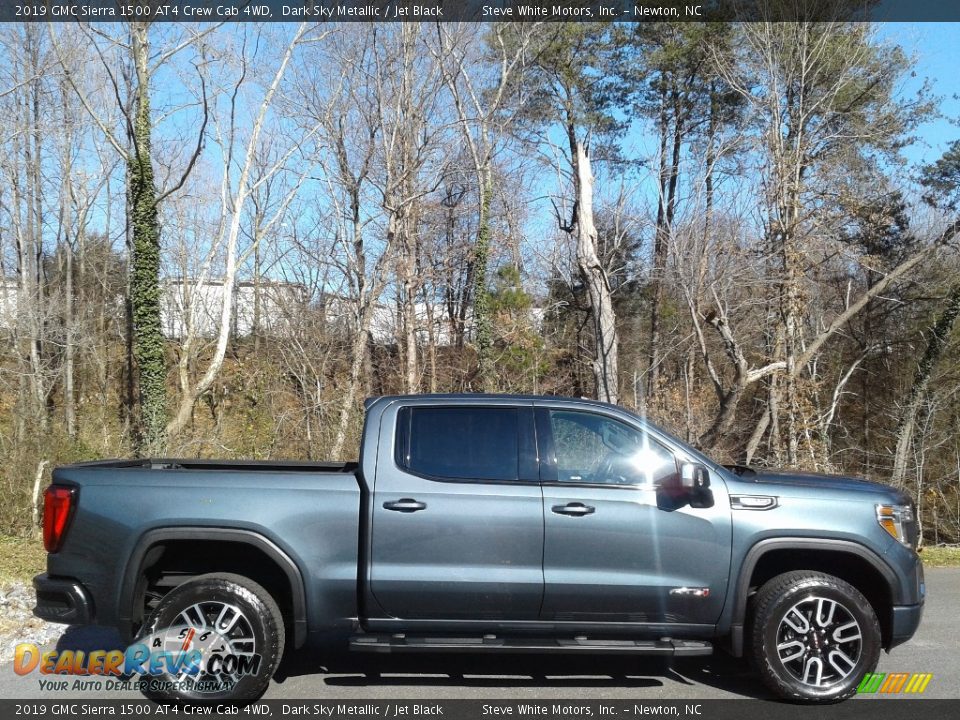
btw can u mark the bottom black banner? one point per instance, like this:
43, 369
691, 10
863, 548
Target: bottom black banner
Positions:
866, 708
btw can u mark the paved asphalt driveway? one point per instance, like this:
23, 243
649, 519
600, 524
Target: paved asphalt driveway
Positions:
313, 675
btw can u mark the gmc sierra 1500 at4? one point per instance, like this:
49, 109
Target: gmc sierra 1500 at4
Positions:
485, 523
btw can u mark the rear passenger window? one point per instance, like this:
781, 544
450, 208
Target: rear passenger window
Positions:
459, 443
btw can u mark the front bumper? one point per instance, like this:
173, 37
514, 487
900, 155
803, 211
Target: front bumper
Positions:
62, 600
906, 618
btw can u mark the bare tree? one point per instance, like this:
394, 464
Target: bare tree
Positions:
351, 125
486, 110
408, 84
939, 334
143, 196
27, 215
235, 194
570, 63
813, 90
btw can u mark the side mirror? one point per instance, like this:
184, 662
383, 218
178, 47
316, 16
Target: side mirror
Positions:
695, 480
694, 476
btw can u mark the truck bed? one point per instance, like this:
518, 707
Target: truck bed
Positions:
308, 512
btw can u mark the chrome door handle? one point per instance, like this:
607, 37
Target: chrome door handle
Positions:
575, 509
405, 505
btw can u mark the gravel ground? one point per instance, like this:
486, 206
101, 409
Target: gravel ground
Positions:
17, 623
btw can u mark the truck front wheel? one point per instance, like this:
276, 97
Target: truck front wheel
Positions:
216, 638
813, 637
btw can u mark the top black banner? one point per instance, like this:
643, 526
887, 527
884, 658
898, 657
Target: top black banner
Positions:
477, 10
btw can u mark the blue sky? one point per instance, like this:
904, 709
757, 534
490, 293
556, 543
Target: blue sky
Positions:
936, 49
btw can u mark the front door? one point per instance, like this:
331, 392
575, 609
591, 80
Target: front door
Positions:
457, 515
618, 547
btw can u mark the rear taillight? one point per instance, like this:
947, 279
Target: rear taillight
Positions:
57, 509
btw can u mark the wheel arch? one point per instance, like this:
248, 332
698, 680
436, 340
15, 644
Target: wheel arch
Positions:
153, 543
846, 559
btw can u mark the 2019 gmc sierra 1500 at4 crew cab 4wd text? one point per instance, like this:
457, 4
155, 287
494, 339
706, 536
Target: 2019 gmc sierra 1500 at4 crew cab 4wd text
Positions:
487, 523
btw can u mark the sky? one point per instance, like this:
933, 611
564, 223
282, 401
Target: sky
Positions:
936, 50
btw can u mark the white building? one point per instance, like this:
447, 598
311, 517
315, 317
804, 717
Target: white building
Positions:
282, 304
9, 293
268, 304
274, 307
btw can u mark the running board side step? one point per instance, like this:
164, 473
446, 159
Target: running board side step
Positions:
491, 643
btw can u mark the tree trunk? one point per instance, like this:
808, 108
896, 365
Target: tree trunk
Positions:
366, 303
66, 197
32, 246
758, 432
408, 309
255, 325
482, 325
666, 207
358, 352
792, 310
145, 292
69, 401
431, 344
606, 342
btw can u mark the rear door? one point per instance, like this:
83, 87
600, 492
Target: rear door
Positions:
457, 518
618, 547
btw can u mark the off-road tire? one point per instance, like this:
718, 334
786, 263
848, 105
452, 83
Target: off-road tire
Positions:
264, 622
790, 594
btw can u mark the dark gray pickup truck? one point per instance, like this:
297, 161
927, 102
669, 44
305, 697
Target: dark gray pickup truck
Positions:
483, 523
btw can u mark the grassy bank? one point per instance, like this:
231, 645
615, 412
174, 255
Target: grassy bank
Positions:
20, 558
941, 556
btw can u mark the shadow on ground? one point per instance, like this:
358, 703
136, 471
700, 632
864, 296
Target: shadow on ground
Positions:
344, 669
89, 638
339, 668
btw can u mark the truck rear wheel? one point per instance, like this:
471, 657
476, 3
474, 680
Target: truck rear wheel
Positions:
223, 637
813, 637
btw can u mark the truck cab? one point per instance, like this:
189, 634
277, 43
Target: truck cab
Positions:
520, 511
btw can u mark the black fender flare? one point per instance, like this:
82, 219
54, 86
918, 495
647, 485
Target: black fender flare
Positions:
762, 547
157, 536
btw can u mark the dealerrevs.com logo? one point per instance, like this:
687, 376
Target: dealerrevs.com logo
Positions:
187, 658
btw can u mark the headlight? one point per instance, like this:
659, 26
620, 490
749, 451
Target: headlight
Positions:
895, 520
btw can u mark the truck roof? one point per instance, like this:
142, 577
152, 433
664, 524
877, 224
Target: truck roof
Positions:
489, 396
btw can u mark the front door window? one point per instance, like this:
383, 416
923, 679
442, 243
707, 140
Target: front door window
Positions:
597, 450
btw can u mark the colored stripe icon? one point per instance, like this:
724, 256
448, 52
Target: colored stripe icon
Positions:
893, 683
